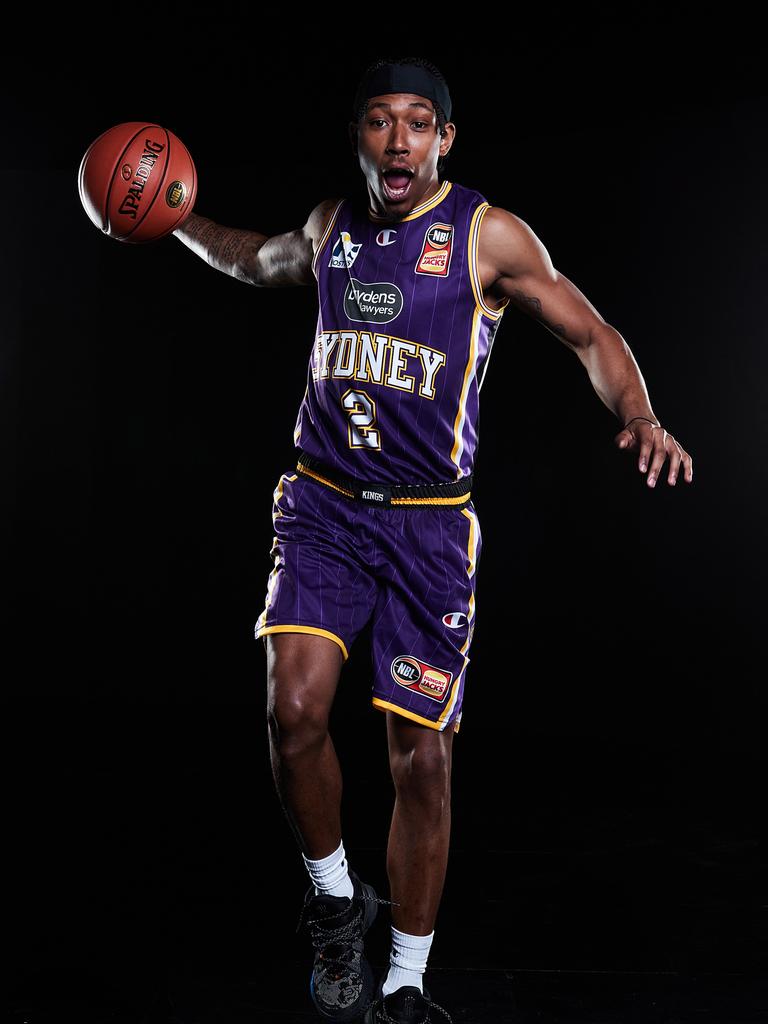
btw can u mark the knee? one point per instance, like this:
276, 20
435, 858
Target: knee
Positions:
295, 721
423, 772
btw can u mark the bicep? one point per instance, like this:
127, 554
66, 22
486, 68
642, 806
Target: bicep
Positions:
528, 278
556, 302
287, 259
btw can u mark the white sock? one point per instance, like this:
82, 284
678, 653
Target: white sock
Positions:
407, 960
331, 874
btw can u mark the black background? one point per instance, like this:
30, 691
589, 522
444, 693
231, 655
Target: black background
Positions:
148, 407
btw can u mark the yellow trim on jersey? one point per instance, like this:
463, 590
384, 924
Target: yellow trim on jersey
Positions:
432, 501
276, 494
472, 556
457, 500
324, 480
297, 428
270, 587
278, 491
474, 275
458, 423
384, 705
417, 211
305, 629
328, 229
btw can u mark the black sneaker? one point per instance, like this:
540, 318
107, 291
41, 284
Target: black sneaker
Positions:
342, 983
406, 1005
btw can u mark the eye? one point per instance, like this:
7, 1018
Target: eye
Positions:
377, 120
424, 123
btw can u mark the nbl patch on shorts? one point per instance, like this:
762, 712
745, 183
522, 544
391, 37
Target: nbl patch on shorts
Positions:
435, 258
420, 677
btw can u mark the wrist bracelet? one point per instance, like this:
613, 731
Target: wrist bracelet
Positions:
639, 418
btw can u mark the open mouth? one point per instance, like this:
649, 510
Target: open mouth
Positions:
397, 182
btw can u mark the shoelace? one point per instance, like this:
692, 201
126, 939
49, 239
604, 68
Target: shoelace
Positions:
382, 1017
323, 936
340, 928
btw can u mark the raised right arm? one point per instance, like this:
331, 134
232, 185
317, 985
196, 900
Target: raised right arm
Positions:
262, 260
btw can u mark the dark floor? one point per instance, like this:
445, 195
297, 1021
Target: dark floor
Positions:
505, 997
152, 877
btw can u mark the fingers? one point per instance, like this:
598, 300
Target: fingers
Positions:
688, 463
626, 439
653, 442
675, 458
654, 445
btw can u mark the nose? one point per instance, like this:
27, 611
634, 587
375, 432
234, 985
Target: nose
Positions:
397, 139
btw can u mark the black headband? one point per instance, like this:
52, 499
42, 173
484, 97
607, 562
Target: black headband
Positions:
403, 78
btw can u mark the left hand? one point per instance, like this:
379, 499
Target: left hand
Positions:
654, 445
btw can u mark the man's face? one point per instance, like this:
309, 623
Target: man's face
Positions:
398, 147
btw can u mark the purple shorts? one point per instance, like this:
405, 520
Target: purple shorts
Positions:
339, 562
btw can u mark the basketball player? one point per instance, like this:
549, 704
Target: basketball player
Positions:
375, 518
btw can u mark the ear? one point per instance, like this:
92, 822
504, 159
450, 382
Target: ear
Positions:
447, 136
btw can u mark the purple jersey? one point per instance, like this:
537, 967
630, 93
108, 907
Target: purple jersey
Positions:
402, 343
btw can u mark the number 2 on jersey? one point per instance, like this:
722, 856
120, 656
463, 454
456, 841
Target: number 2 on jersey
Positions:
361, 411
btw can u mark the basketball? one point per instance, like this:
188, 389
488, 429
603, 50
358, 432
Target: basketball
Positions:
137, 182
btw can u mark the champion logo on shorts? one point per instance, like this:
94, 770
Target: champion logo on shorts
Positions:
421, 677
455, 620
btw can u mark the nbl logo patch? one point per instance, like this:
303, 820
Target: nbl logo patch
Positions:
175, 193
421, 677
435, 258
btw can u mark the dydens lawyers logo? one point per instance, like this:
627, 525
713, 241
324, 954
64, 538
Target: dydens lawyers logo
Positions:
375, 303
345, 251
421, 677
435, 258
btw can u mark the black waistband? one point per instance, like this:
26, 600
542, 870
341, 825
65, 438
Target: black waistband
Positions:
451, 493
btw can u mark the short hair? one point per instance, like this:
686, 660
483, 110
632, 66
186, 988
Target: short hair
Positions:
418, 62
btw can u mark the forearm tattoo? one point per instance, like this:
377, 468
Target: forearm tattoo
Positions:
223, 246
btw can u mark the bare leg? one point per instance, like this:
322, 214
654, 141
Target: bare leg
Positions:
417, 853
303, 671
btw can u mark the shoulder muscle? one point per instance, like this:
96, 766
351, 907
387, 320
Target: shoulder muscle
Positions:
509, 247
318, 220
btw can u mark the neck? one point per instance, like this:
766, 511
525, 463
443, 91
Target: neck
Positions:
379, 211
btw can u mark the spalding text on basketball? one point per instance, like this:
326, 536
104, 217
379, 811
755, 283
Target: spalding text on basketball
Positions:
130, 204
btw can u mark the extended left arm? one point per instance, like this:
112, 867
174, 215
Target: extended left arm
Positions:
524, 274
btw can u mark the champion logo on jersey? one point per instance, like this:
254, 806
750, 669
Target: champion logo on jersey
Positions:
386, 237
345, 251
435, 258
454, 620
